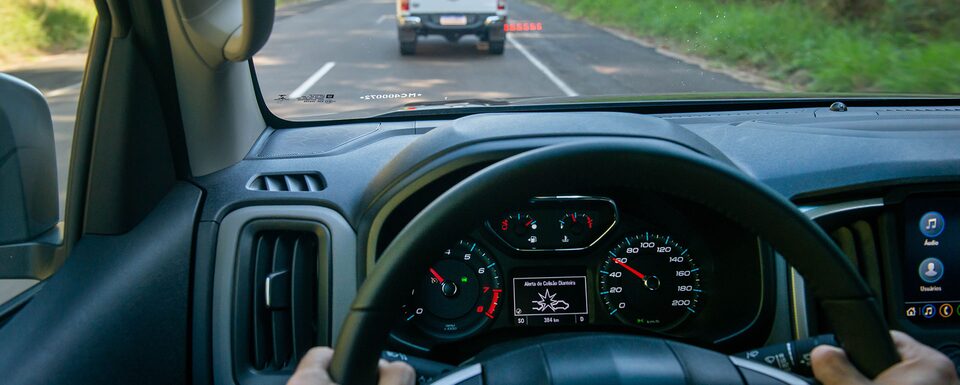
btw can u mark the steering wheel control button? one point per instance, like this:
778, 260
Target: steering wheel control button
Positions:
928, 311
945, 310
931, 224
931, 270
793, 356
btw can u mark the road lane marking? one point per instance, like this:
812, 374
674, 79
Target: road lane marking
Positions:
383, 18
542, 67
313, 79
62, 90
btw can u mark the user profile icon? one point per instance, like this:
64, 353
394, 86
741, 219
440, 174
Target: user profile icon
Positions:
931, 270
931, 224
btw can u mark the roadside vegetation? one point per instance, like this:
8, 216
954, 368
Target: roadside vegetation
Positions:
38, 27
813, 45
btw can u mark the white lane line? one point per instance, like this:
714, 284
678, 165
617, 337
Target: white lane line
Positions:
383, 18
542, 67
313, 79
62, 90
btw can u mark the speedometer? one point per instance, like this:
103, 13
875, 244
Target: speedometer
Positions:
650, 280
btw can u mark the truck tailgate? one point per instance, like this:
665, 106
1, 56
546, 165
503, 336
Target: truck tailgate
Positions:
453, 6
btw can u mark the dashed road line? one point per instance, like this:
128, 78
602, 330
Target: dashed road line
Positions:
313, 79
61, 91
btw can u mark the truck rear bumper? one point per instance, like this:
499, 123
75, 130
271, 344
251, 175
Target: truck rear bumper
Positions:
486, 25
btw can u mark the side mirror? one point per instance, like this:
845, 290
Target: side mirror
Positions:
28, 163
227, 30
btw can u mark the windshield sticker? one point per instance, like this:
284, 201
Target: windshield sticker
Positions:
309, 98
391, 96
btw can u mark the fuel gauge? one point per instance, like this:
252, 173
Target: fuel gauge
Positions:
519, 228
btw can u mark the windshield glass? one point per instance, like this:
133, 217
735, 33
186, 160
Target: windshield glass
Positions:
329, 59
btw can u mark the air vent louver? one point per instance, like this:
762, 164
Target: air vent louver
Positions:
857, 234
283, 300
295, 182
857, 239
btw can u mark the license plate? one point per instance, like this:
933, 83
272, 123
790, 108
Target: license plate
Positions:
453, 20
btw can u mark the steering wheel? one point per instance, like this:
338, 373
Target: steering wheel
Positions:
624, 164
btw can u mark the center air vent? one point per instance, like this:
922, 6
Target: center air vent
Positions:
294, 182
858, 240
856, 234
282, 298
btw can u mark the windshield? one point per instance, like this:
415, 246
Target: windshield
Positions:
328, 59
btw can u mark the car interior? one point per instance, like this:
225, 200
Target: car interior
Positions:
206, 240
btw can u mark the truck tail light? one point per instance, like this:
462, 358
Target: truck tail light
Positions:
405, 5
501, 5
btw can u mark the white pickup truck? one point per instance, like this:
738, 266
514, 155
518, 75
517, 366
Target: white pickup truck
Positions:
452, 19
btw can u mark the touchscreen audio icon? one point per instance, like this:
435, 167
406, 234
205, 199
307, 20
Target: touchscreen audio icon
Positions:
929, 311
931, 224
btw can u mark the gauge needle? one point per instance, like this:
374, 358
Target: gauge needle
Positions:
436, 275
630, 269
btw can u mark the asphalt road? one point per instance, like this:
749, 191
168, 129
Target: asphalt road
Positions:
349, 48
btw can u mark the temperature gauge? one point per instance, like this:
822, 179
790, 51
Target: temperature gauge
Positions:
574, 227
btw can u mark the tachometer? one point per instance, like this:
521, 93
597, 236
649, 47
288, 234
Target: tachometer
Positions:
650, 280
458, 295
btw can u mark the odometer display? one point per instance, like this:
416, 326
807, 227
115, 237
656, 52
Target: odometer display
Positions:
651, 281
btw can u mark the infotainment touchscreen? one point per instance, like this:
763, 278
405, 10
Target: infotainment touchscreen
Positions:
931, 263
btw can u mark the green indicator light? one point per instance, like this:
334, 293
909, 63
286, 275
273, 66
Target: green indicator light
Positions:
463, 279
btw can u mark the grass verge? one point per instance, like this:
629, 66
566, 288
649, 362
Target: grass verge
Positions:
789, 41
38, 27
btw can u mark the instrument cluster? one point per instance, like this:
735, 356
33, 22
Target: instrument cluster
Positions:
573, 263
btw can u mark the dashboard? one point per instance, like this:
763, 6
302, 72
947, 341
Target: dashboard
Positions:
633, 264
600, 260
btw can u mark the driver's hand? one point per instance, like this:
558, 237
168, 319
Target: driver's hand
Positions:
920, 364
312, 370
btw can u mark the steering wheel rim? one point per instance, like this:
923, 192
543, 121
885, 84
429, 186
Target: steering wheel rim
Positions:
847, 301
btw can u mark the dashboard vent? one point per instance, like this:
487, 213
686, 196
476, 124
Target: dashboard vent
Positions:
283, 298
293, 182
858, 240
856, 233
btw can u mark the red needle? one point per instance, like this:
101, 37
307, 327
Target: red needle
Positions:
436, 275
528, 223
630, 269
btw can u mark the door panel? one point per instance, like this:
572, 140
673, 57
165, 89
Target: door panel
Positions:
116, 311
